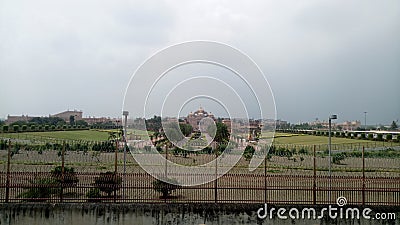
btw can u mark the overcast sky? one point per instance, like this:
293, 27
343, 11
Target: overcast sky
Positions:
320, 57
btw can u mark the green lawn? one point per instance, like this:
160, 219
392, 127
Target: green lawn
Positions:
86, 135
304, 139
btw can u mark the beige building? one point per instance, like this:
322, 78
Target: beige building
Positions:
194, 117
67, 115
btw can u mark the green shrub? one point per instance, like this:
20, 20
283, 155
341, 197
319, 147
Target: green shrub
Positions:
70, 178
93, 195
337, 158
41, 189
5, 128
389, 137
108, 182
165, 188
16, 128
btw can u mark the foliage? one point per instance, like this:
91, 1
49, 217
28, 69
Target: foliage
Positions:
248, 152
5, 128
47, 121
389, 137
186, 129
153, 124
221, 134
93, 195
337, 158
70, 178
108, 182
393, 126
165, 188
41, 188
16, 128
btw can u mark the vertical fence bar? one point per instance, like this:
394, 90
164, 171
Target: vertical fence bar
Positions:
314, 178
62, 171
8, 171
216, 176
265, 179
363, 177
115, 171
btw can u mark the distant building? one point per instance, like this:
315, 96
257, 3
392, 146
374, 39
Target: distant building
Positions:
194, 117
350, 125
13, 119
66, 115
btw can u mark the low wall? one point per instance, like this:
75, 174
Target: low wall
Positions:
147, 214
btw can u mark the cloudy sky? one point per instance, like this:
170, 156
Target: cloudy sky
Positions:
320, 57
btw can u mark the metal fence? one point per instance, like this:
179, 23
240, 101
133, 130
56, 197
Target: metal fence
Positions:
26, 177
230, 188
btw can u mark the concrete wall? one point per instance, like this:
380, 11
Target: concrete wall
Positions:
147, 214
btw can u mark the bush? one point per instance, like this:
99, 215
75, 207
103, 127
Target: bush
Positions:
337, 158
16, 128
370, 136
42, 188
94, 195
5, 128
379, 137
108, 182
389, 137
165, 188
70, 178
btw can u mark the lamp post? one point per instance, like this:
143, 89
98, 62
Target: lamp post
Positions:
365, 120
331, 117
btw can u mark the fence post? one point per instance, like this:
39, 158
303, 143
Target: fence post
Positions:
115, 170
216, 175
265, 179
363, 177
62, 171
8, 171
314, 179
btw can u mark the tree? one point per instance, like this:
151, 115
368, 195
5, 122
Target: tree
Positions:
32, 127
221, 134
5, 128
248, 152
394, 125
186, 129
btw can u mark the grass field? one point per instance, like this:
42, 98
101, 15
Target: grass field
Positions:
305, 139
79, 135
86, 135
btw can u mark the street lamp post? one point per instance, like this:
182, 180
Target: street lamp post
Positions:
331, 117
365, 120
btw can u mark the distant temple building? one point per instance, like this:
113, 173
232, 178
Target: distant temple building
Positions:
194, 118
